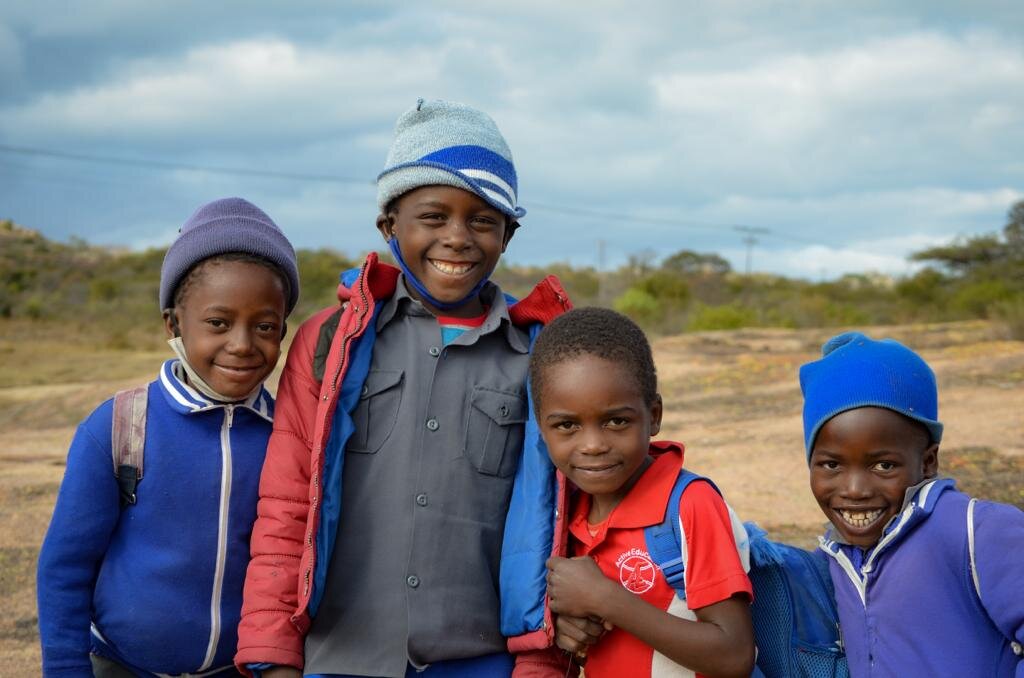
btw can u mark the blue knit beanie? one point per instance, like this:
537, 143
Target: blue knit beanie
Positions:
222, 226
857, 371
450, 144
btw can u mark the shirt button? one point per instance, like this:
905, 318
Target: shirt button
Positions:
432, 424
434, 351
412, 580
503, 410
366, 389
421, 499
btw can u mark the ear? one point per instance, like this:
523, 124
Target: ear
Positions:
656, 410
170, 323
386, 226
930, 461
510, 230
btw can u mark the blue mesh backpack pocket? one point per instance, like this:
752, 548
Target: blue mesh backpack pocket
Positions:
796, 624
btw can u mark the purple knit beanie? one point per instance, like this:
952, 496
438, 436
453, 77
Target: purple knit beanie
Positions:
222, 226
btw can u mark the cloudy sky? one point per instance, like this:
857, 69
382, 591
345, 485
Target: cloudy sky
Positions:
846, 133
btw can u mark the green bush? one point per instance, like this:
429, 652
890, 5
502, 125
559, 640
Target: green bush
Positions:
976, 298
1010, 313
665, 286
725, 317
103, 289
639, 305
926, 287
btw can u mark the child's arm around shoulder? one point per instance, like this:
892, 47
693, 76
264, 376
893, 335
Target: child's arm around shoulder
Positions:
84, 518
721, 641
266, 633
998, 547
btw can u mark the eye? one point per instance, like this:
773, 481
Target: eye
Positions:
267, 328
432, 217
829, 464
885, 466
565, 425
618, 422
217, 323
486, 227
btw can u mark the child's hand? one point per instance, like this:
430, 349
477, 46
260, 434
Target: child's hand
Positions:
577, 634
576, 587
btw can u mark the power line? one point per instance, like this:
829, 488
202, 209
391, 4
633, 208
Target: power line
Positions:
163, 165
749, 239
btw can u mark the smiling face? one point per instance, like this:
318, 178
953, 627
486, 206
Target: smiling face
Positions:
451, 239
231, 320
862, 463
597, 426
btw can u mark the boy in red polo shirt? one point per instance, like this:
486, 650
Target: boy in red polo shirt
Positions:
594, 390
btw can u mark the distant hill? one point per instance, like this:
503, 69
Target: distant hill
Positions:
109, 295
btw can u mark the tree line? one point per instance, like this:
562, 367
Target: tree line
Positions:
109, 295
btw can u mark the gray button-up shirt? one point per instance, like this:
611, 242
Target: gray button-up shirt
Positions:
426, 486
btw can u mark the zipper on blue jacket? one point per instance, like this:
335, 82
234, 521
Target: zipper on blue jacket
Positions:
222, 536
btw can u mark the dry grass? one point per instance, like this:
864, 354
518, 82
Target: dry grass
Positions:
732, 397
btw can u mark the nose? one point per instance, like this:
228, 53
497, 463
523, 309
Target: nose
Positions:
592, 442
856, 484
457, 234
240, 341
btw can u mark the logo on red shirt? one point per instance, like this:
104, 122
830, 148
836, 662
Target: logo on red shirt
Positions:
636, 571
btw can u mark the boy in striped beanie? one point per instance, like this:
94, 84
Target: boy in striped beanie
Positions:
407, 506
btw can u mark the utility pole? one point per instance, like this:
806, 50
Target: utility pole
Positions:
749, 240
600, 273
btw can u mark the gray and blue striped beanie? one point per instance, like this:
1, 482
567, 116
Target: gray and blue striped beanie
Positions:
450, 144
858, 371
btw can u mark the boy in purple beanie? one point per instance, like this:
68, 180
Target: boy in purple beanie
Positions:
407, 504
142, 567
928, 581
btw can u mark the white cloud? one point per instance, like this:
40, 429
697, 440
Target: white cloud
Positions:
235, 89
826, 122
826, 263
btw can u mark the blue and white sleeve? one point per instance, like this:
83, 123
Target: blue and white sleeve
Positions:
83, 520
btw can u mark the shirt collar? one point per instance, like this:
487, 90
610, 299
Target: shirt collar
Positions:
645, 502
187, 400
497, 315
910, 496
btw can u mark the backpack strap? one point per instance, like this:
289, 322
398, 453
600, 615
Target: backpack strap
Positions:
970, 545
665, 540
1016, 647
128, 440
323, 342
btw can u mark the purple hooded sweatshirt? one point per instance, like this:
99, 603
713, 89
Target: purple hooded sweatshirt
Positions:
913, 605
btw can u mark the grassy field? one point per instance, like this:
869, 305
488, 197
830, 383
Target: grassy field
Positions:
732, 397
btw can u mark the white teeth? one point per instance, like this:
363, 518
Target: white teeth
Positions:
860, 518
451, 269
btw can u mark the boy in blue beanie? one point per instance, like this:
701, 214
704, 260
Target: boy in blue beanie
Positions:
145, 578
927, 579
407, 504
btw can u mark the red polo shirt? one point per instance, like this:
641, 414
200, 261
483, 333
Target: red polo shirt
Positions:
713, 568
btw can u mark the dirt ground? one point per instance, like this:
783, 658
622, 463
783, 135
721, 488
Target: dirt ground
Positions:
732, 397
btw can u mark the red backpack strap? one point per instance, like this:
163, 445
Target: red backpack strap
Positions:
128, 440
